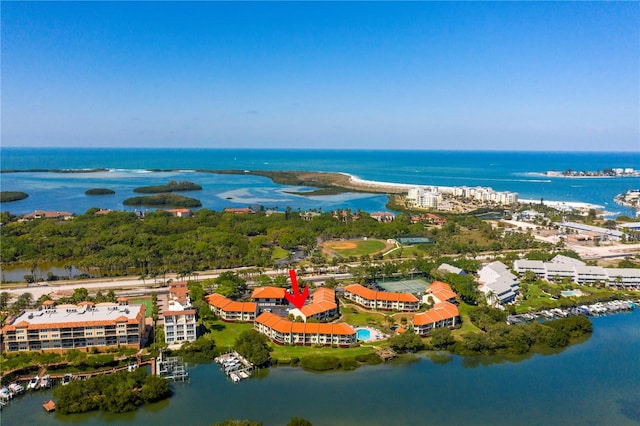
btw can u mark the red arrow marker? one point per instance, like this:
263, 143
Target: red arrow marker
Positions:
297, 299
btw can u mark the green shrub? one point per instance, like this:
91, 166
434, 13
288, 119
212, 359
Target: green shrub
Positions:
320, 363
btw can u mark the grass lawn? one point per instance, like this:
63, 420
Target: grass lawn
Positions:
536, 300
355, 247
279, 253
226, 333
146, 302
361, 318
285, 353
467, 326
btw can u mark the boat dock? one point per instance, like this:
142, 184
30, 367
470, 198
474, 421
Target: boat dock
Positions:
597, 309
235, 366
171, 368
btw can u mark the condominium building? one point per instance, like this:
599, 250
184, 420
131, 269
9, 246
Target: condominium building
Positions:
498, 283
269, 296
321, 307
382, 300
439, 292
577, 271
82, 326
282, 331
443, 314
179, 325
230, 310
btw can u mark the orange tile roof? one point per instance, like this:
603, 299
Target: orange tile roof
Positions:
282, 325
439, 312
369, 294
179, 290
179, 313
219, 301
441, 290
322, 300
268, 292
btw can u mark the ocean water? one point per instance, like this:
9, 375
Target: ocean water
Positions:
128, 169
593, 383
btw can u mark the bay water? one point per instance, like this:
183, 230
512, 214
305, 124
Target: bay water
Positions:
129, 168
594, 383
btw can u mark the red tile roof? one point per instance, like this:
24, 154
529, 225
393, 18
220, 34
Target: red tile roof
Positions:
367, 293
179, 313
439, 312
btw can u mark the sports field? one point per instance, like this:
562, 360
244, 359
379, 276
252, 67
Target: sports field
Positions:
417, 285
355, 247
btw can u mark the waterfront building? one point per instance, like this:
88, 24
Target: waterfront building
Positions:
269, 296
562, 267
382, 300
443, 314
322, 306
179, 324
498, 283
86, 325
283, 332
439, 292
230, 310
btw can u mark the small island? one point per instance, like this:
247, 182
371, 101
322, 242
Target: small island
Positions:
10, 196
172, 186
163, 200
99, 191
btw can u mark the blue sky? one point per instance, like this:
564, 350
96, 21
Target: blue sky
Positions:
495, 76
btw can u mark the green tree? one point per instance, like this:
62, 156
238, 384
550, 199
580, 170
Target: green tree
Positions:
253, 346
441, 338
155, 388
299, 421
4, 300
406, 342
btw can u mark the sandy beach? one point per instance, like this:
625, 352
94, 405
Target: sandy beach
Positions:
556, 204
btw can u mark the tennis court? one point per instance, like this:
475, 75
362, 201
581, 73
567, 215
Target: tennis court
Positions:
417, 285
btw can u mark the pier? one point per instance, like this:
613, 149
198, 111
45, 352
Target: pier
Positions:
235, 366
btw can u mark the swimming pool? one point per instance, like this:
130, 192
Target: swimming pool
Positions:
569, 293
363, 334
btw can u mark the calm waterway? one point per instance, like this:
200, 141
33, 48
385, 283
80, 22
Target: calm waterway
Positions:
594, 383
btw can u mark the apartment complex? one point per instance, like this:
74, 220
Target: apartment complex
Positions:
180, 323
323, 306
82, 326
282, 331
230, 310
486, 194
443, 314
269, 296
382, 300
578, 272
439, 292
498, 283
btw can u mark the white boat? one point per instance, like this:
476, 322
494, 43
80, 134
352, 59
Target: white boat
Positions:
16, 388
45, 382
5, 394
66, 379
33, 383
